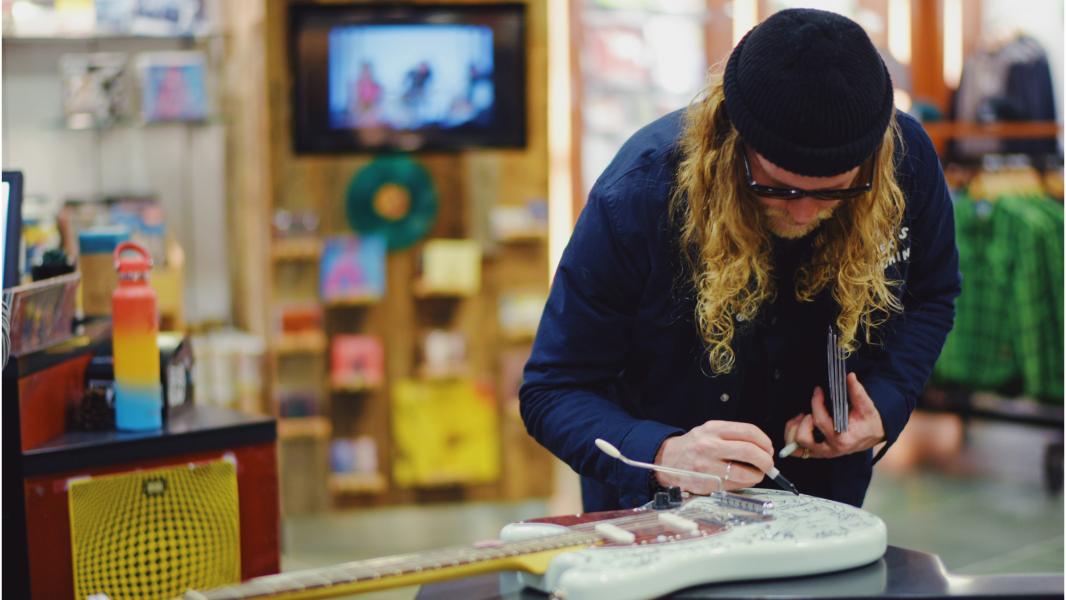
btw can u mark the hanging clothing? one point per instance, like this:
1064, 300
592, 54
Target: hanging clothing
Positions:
1012, 83
1008, 326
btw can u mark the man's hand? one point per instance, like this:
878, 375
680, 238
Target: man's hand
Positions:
865, 429
709, 448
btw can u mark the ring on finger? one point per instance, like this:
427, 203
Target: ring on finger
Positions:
728, 469
806, 453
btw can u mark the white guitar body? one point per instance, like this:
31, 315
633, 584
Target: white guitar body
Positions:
617, 555
803, 535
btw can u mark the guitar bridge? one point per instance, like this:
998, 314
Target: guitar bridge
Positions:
745, 503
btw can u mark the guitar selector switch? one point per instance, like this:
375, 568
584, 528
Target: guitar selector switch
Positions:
662, 501
675, 496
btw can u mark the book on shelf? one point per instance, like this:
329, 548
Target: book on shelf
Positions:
444, 433
73, 17
173, 86
512, 222
519, 313
298, 224
96, 88
443, 354
450, 267
356, 361
316, 427
91, 18
166, 17
144, 217
354, 456
298, 404
299, 318
352, 267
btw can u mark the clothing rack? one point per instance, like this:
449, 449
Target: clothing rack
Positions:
971, 381
970, 405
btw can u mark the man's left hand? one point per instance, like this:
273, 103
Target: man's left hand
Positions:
865, 429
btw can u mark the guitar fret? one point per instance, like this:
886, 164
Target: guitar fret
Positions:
336, 576
316, 579
232, 594
392, 566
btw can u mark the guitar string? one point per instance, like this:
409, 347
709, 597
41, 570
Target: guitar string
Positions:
402, 564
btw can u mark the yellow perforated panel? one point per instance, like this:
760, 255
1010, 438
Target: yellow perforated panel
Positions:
155, 534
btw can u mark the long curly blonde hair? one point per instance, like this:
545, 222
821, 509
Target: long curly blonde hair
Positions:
728, 249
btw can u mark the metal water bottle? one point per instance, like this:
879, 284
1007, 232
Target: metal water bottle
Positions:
134, 331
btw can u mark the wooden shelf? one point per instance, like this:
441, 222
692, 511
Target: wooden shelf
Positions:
352, 387
422, 292
304, 427
519, 337
1006, 129
106, 36
532, 236
458, 372
357, 483
310, 342
445, 480
352, 301
296, 249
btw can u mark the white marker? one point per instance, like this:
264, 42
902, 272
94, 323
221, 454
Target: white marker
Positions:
788, 450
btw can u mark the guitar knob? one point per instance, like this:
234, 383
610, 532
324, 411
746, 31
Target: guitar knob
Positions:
675, 496
662, 501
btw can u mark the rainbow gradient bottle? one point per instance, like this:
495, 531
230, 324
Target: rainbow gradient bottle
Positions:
134, 332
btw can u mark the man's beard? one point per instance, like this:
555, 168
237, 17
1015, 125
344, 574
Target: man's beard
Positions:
780, 223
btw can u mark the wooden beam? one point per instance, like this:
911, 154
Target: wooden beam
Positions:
927, 54
577, 126
718, 35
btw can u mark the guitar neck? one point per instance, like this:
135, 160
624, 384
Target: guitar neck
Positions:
531, 556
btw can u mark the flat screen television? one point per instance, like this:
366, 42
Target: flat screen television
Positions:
387, 76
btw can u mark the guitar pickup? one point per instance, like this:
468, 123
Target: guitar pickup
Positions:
677, 523
616, 534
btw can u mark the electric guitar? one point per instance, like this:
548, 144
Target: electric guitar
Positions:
623, 554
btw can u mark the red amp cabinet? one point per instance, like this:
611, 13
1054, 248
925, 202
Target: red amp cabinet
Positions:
193, 435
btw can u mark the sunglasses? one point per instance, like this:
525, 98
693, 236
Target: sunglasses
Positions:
767, 191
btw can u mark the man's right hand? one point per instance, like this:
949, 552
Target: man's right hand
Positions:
708, 448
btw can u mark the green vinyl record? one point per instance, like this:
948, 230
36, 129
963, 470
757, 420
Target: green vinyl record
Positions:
392, 196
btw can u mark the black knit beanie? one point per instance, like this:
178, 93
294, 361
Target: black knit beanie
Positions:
807, 90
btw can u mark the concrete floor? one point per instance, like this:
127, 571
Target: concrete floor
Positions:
981, 506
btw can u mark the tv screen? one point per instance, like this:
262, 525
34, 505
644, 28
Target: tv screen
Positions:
407, 77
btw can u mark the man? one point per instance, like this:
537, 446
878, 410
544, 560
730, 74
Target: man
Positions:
688, 320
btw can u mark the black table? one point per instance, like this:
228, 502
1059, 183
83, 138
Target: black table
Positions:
900, 573
189, 428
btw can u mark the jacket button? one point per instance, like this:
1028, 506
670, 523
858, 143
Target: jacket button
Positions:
777, 374
724, 397
773, 320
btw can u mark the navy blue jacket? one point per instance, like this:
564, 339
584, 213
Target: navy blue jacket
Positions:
618, 356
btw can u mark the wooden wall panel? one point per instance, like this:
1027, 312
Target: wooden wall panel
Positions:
244, 99
319, 183
927, 54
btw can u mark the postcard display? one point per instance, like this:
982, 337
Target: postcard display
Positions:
407, 404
